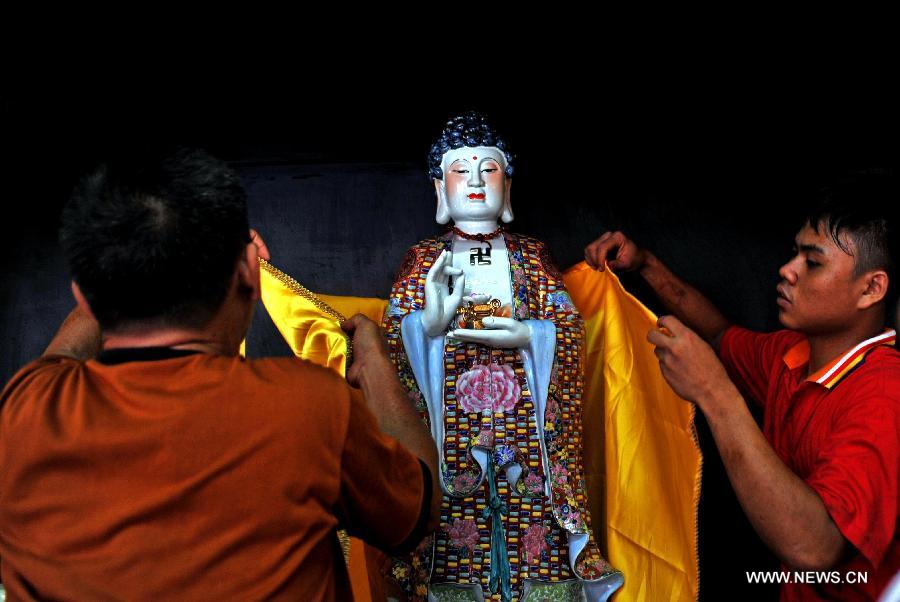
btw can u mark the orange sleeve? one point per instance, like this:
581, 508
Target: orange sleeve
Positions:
383, 484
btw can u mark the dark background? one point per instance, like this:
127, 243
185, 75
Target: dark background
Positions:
709, 168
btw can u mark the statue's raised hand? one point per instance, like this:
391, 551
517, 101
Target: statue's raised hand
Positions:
440, 303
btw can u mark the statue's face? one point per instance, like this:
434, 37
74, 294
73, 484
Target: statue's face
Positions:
474, 183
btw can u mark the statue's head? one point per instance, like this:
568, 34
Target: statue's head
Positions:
472, 171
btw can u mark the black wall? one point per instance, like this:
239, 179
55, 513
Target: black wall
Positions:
711, 178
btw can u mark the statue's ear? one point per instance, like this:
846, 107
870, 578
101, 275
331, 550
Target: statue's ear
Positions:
507, 215
442, 216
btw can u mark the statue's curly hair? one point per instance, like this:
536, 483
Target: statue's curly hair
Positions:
469, 129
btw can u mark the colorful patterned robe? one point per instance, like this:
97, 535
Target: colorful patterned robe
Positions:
527, 490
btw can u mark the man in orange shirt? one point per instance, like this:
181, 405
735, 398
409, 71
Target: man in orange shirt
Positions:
142, 458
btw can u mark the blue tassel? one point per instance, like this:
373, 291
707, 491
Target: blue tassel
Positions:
499, 578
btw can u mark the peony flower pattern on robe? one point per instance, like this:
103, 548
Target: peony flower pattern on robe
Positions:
487, 389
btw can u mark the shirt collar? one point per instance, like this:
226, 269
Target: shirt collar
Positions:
832, 373
112, 357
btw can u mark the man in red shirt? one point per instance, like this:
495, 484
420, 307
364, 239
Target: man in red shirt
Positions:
819, 483
142, 458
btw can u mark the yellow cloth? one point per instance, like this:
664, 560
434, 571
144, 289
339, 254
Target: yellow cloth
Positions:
313, 333
639, 439
646, 456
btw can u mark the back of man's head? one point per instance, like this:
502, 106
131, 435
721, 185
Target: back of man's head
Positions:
156, 244
861, 209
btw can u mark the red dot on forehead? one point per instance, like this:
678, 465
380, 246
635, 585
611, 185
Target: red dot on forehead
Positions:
474, 158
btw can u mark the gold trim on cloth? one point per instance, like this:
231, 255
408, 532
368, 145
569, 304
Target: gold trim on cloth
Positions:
298, 289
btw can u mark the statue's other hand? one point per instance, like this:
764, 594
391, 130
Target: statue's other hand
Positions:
504, 333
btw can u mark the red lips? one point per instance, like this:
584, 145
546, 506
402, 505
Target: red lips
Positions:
478, 195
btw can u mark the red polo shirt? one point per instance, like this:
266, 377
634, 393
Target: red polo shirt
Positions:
839, 431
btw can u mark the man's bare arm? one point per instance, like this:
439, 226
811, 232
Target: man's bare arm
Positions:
788, 514
373, 372
620, 253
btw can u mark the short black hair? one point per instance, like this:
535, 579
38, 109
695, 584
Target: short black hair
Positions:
469, 129
862, 206
156, 241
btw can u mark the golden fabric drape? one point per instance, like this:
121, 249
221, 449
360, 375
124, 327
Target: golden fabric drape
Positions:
644, 453
642, 461
310, 324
